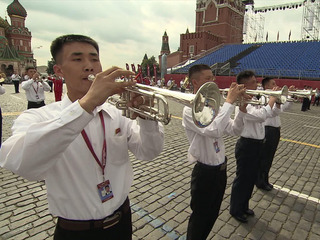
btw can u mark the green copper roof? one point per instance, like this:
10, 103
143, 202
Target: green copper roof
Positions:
15, 8
3, 23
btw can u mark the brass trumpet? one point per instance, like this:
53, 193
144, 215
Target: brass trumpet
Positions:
205, 103
261, 96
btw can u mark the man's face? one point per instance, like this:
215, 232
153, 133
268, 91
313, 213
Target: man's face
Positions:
31, 72
75, 63
251, 83
271, 84
201, 78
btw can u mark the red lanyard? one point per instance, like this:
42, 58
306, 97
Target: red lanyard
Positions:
37, 88
103, 161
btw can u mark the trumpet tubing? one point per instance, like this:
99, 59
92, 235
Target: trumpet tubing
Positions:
205, 103
281, 96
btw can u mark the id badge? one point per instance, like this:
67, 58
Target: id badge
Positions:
216, 147
37, 96
105, 191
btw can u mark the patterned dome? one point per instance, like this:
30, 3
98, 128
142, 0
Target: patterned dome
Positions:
3, 23
15, 8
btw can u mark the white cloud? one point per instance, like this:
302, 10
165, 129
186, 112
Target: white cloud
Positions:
128, 29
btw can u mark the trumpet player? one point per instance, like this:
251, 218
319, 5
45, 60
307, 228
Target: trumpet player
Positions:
34, 88
207, 151
272, 137
248, 151
87, 173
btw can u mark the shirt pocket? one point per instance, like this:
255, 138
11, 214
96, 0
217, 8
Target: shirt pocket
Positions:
117, 150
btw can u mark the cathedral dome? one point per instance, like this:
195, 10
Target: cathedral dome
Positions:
3, 23
15, 8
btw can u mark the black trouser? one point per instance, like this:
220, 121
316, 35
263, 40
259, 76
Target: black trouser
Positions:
35, 104
122, 230
316, 101
268, 151
305, 104
208, 184
16, 86
247, 153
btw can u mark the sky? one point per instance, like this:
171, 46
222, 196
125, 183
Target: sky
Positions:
126, 30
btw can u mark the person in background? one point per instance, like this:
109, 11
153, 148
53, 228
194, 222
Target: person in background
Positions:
248, 151
58, 88
207, 150
51, 79
16, 81
91, 140
317, 98
2, 91
34, 87
272, 137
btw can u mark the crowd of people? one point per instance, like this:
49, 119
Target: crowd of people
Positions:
88, 173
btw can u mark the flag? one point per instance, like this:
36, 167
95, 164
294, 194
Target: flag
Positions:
155, 73
278, 36
267, 36
133, 68
289, 35
148, 70
127, 66
140, 72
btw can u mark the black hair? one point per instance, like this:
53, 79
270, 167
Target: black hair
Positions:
265, 81
196, 69
30, 67
242, 76
58, 43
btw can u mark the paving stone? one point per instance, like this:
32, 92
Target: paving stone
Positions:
160, 195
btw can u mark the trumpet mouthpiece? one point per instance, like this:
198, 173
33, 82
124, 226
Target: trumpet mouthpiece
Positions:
91, 77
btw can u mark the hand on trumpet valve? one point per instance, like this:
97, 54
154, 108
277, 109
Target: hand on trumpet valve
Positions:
235, 91
141, 102
103, 86
292, 88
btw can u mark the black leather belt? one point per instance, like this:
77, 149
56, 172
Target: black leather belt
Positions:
79, 225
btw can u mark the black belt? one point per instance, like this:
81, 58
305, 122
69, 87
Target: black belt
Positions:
253, 140
36, 102
79, 225
219, 167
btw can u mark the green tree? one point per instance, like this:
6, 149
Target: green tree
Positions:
51, 63
149, 61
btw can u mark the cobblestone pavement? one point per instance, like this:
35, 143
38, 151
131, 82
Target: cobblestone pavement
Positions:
160, 192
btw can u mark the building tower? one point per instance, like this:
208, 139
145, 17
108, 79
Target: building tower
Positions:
18, 33
217, 22
165, 49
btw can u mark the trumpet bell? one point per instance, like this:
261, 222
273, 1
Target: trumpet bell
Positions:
206, 104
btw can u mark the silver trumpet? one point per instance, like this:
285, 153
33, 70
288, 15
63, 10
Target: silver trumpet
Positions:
302, 93
261, 96
205, 103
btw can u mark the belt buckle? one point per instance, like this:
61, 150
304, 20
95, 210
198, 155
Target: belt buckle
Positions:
111, 220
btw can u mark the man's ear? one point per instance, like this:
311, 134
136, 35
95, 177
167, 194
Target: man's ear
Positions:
57, 70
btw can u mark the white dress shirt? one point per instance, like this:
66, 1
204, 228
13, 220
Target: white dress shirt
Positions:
34, 89
254, 121
47, 144
205, 141
275, 121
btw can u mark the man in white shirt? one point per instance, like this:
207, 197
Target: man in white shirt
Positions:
207, 150
34, 87
272, 137
87, 173
248, 151
16, 81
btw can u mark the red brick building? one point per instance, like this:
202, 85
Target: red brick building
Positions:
15, 41
217, 22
